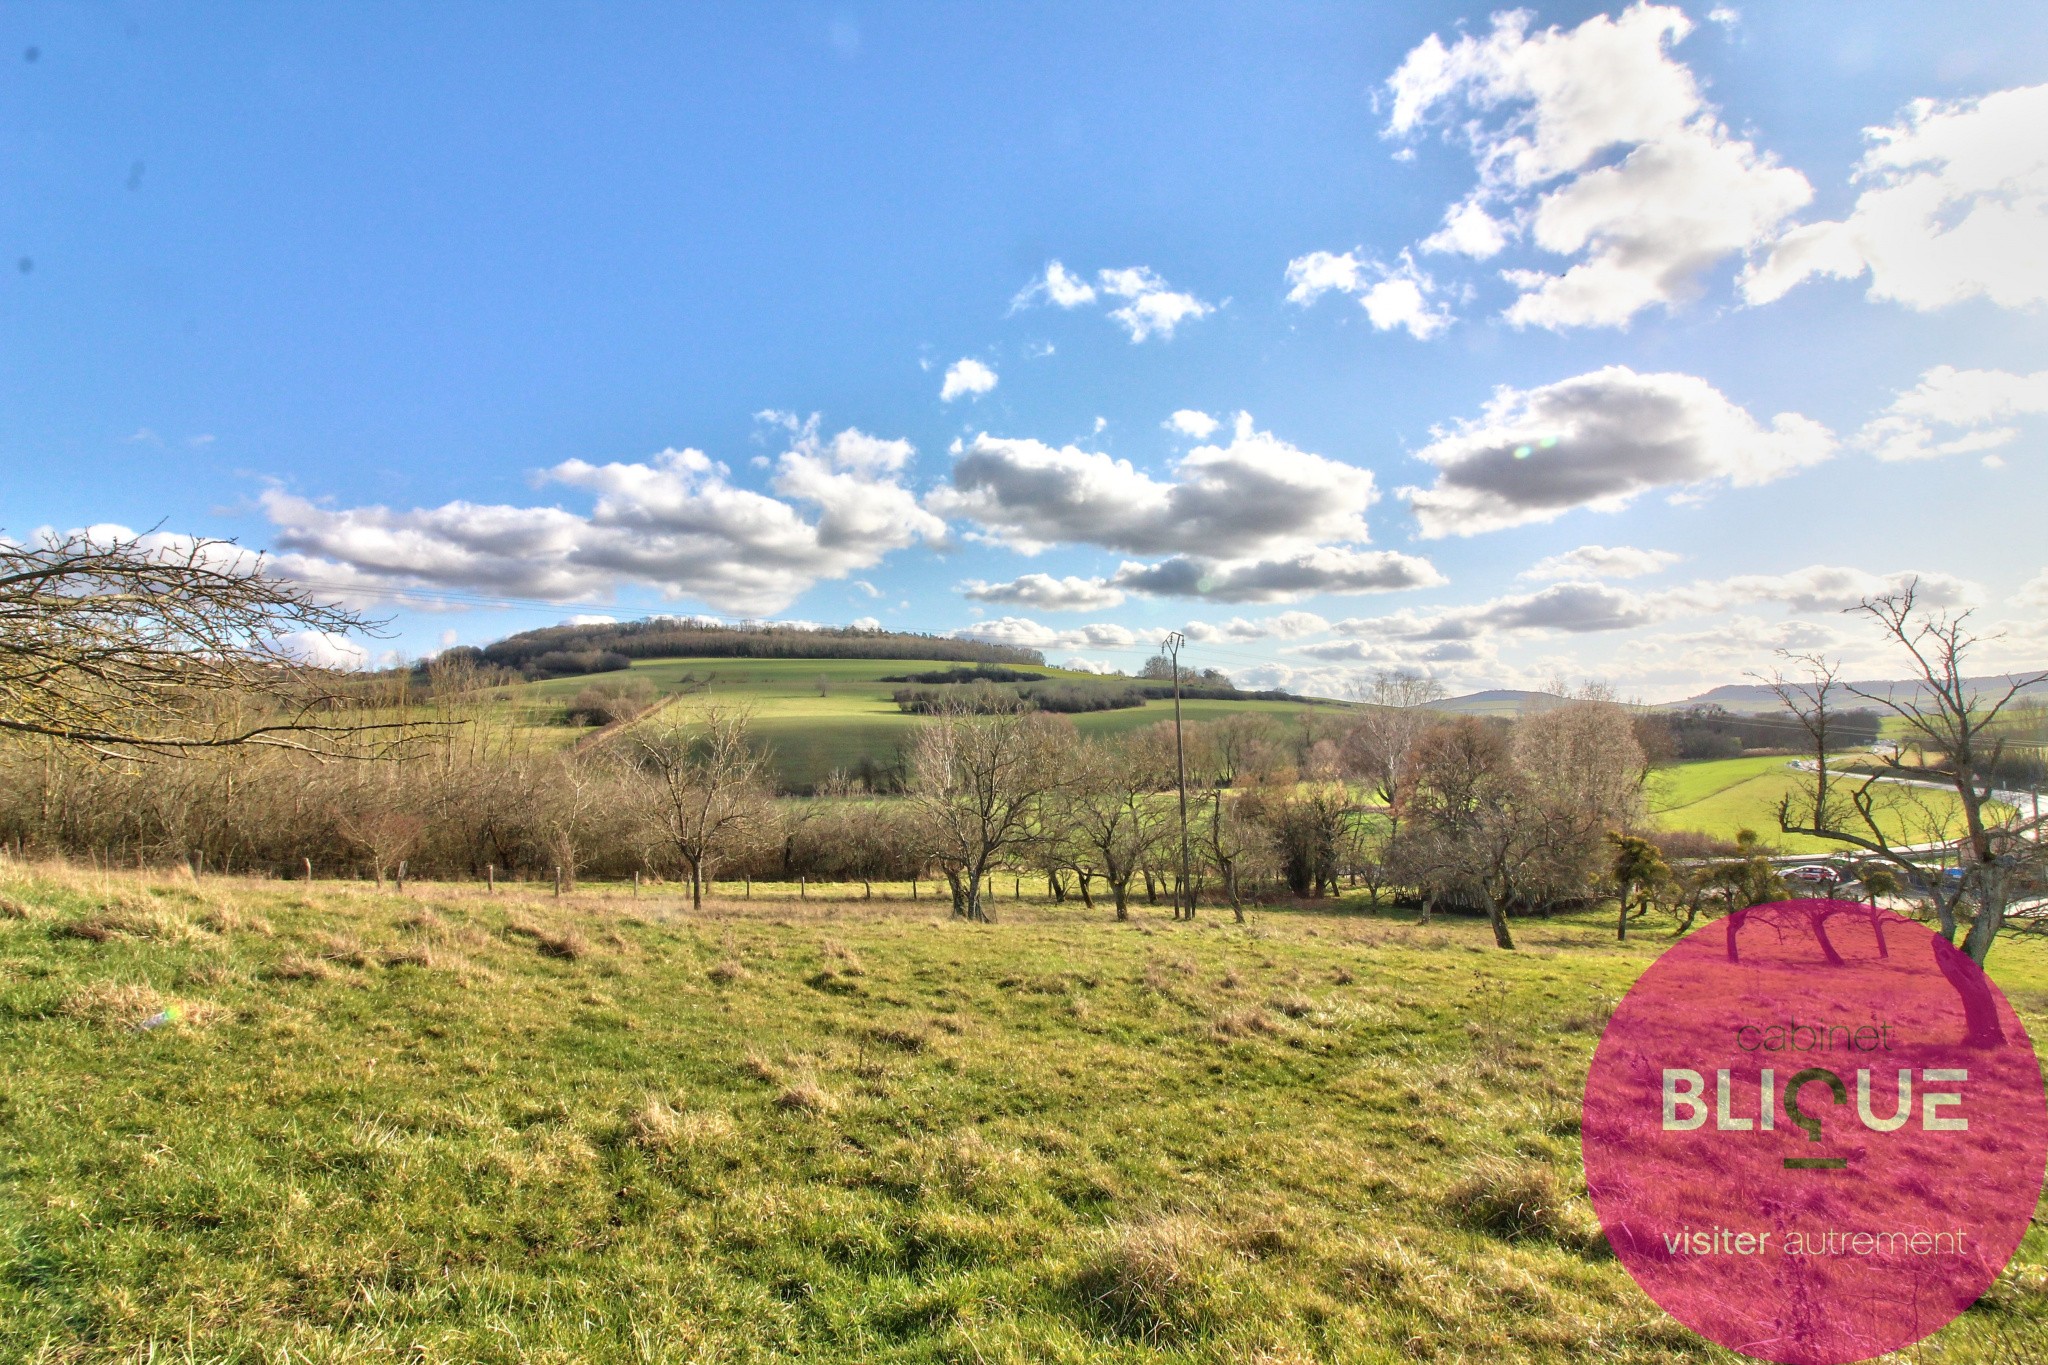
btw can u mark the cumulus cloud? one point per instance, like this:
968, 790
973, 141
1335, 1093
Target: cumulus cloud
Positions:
325, 649
1046, 593
1254, 496
675, 522
1029, 634
1189, 422
1584, 608
2034, 592
1149, 306
964, 377
1955, 207
1968, 404
1324, 570
1595, 145
1056, 286
1393, 296
1602, 561
1288, 625
1600, 440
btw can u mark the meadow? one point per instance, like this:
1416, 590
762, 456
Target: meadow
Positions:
445, 1126
1727, 795
817, 715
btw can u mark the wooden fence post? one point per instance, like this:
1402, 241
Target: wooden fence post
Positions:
558, 879
307, 863
401, 874
636, 881
803, 887
490, 879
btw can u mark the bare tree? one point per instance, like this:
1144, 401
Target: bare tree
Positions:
1377, 749
136, 645
979, 786
706, 793
1952, 721
1110, 812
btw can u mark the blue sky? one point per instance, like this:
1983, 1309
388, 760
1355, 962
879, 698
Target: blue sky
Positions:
474, 314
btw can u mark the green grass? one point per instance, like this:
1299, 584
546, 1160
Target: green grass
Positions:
1723, 796
446, 1127
811, 734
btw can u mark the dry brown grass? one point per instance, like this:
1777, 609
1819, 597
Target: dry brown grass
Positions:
806, 1096
1518, 1199
134, 1005
297, 966
1156, 1280
1243, 1024
658, 1126
728, 972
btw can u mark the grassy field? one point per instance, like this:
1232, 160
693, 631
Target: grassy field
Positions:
1722, 796
813, 731
445, 1127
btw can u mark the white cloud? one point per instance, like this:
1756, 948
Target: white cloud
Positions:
1288, 625
1602, 561
581, 618
864, 623
1325, 569
1151, 307
865, 588
1189, 422
1585, 608
1057, 286
1968, 402
1081, 665
674, 522
1596, 145
1046, 593
966, 376
1598, 441
325, 649
1255, 496
1392, 296
2034, 592
1029, 634
1956, 208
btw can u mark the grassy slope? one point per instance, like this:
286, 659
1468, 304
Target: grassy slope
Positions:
447, 1128
1722, 796
855, 718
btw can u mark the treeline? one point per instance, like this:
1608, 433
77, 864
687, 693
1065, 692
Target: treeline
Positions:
982, 698
558, 651
975, 692
1499, 818
1707, 731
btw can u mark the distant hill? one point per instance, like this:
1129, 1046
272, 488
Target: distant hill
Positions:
559, 651
1502, 701
1754, 698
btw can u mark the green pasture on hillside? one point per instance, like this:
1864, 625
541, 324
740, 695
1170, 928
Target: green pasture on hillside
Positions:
444, 1127
1723, 796
811, 733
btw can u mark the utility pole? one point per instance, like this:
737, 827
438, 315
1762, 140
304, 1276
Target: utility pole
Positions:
1184, 904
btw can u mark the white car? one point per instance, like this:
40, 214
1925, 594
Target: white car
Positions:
1813, 872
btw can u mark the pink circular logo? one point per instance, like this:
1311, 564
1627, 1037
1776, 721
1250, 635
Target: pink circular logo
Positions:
1814, 1132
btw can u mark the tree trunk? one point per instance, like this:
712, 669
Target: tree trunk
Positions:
1087, 897
1980, 1012
1120, 890
1621, 919
1499, 922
